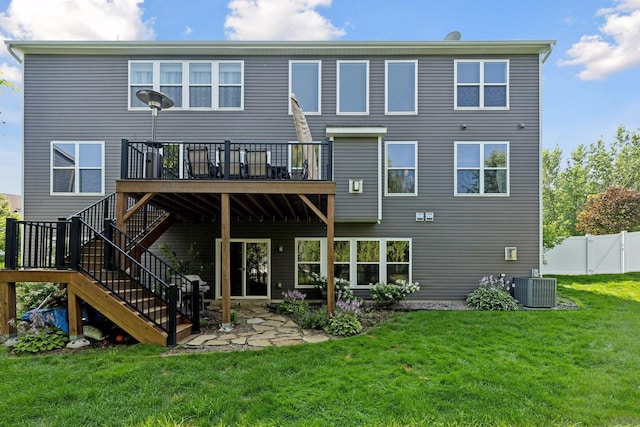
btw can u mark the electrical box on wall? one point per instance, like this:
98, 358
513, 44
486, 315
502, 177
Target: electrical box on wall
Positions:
355, 186
428, 216
420, 216
510, 253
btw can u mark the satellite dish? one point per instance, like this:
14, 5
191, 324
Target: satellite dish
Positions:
453, 36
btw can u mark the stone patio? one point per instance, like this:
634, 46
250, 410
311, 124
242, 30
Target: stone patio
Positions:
257, 327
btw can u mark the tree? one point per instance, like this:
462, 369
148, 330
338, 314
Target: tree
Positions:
615, 210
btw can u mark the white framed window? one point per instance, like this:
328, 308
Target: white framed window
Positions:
353, 87
361, 261
401, 87
401, 168
481, 84
211, 85
482, 168
77, 168
305, 82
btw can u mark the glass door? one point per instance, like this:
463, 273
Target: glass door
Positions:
250, 262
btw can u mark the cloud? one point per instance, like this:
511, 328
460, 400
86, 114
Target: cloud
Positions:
615, 48
76, 20
187, 31
279, 20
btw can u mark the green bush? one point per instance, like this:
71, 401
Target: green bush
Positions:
31, 295
342, 287
293, 304
491, 299
37, 336
314, 319
393, 292
343, 324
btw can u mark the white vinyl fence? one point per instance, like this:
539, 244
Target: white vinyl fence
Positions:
606, 254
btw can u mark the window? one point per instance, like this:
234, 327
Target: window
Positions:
482, 168
482, 84
213, 85
401, 170
77, 167
353, 87
305, 83
308, 260
357, 260
401, 87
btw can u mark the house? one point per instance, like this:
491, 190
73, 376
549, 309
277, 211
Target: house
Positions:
425, 165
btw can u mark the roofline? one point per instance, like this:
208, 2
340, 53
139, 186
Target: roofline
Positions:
356, 48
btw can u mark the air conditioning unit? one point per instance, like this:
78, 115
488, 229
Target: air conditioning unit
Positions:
535, 292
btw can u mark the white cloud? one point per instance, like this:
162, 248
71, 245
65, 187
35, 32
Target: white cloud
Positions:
615, 48
279, 20
76, 20
187, 31
10, 73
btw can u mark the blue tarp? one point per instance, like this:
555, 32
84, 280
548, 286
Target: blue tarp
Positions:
53, 316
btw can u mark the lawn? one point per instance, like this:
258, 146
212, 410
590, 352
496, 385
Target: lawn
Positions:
471, 368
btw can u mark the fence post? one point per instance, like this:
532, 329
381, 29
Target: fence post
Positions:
74, 242
173, 313
589, 239
61, 243
623, 266
227, 158
195, 304
11, 244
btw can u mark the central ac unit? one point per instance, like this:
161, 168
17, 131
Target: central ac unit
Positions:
535, 292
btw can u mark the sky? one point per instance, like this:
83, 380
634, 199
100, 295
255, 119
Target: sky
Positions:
591, 81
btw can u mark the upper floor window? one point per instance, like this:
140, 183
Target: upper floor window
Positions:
191, 85
482, 84
353, 87
482, 168
305, 84
401, 168
77, 167
401, 87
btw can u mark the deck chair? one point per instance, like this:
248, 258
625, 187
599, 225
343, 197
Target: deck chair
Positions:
198, 163
236, 167
257, 164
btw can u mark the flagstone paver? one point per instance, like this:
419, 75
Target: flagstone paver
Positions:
269, 329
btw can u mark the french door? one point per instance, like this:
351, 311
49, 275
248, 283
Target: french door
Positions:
250, 265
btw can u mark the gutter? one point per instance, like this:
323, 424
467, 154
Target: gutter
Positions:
13, 52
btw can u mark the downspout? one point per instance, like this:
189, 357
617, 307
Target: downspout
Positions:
13, 52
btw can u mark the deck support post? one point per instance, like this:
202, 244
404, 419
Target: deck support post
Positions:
331, 299
7, 309
225, 258
74, 310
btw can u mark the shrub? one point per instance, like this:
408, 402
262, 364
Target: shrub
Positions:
343, 324
31, 295
314, 319
37, 335
393, 292
493, 293
293, 304
342, 287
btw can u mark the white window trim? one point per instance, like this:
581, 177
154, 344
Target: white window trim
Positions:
481, 192
386, 168
481, 84
218, 267
338, 84
386, 88
77, 169
319, 63
353, 262
215, 84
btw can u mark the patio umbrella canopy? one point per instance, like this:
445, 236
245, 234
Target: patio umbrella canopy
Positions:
304, 137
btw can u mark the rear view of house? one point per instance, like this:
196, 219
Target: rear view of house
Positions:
424, 165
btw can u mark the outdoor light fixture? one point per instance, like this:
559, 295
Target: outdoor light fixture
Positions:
520, 125
156, 101
463, 126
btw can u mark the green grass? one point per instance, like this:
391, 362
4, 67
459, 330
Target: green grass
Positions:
471, 368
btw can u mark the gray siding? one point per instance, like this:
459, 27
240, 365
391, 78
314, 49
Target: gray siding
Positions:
85, 98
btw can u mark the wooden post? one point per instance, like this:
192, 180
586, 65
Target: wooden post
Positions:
225, 257
331, 299
7, 309
74, 309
